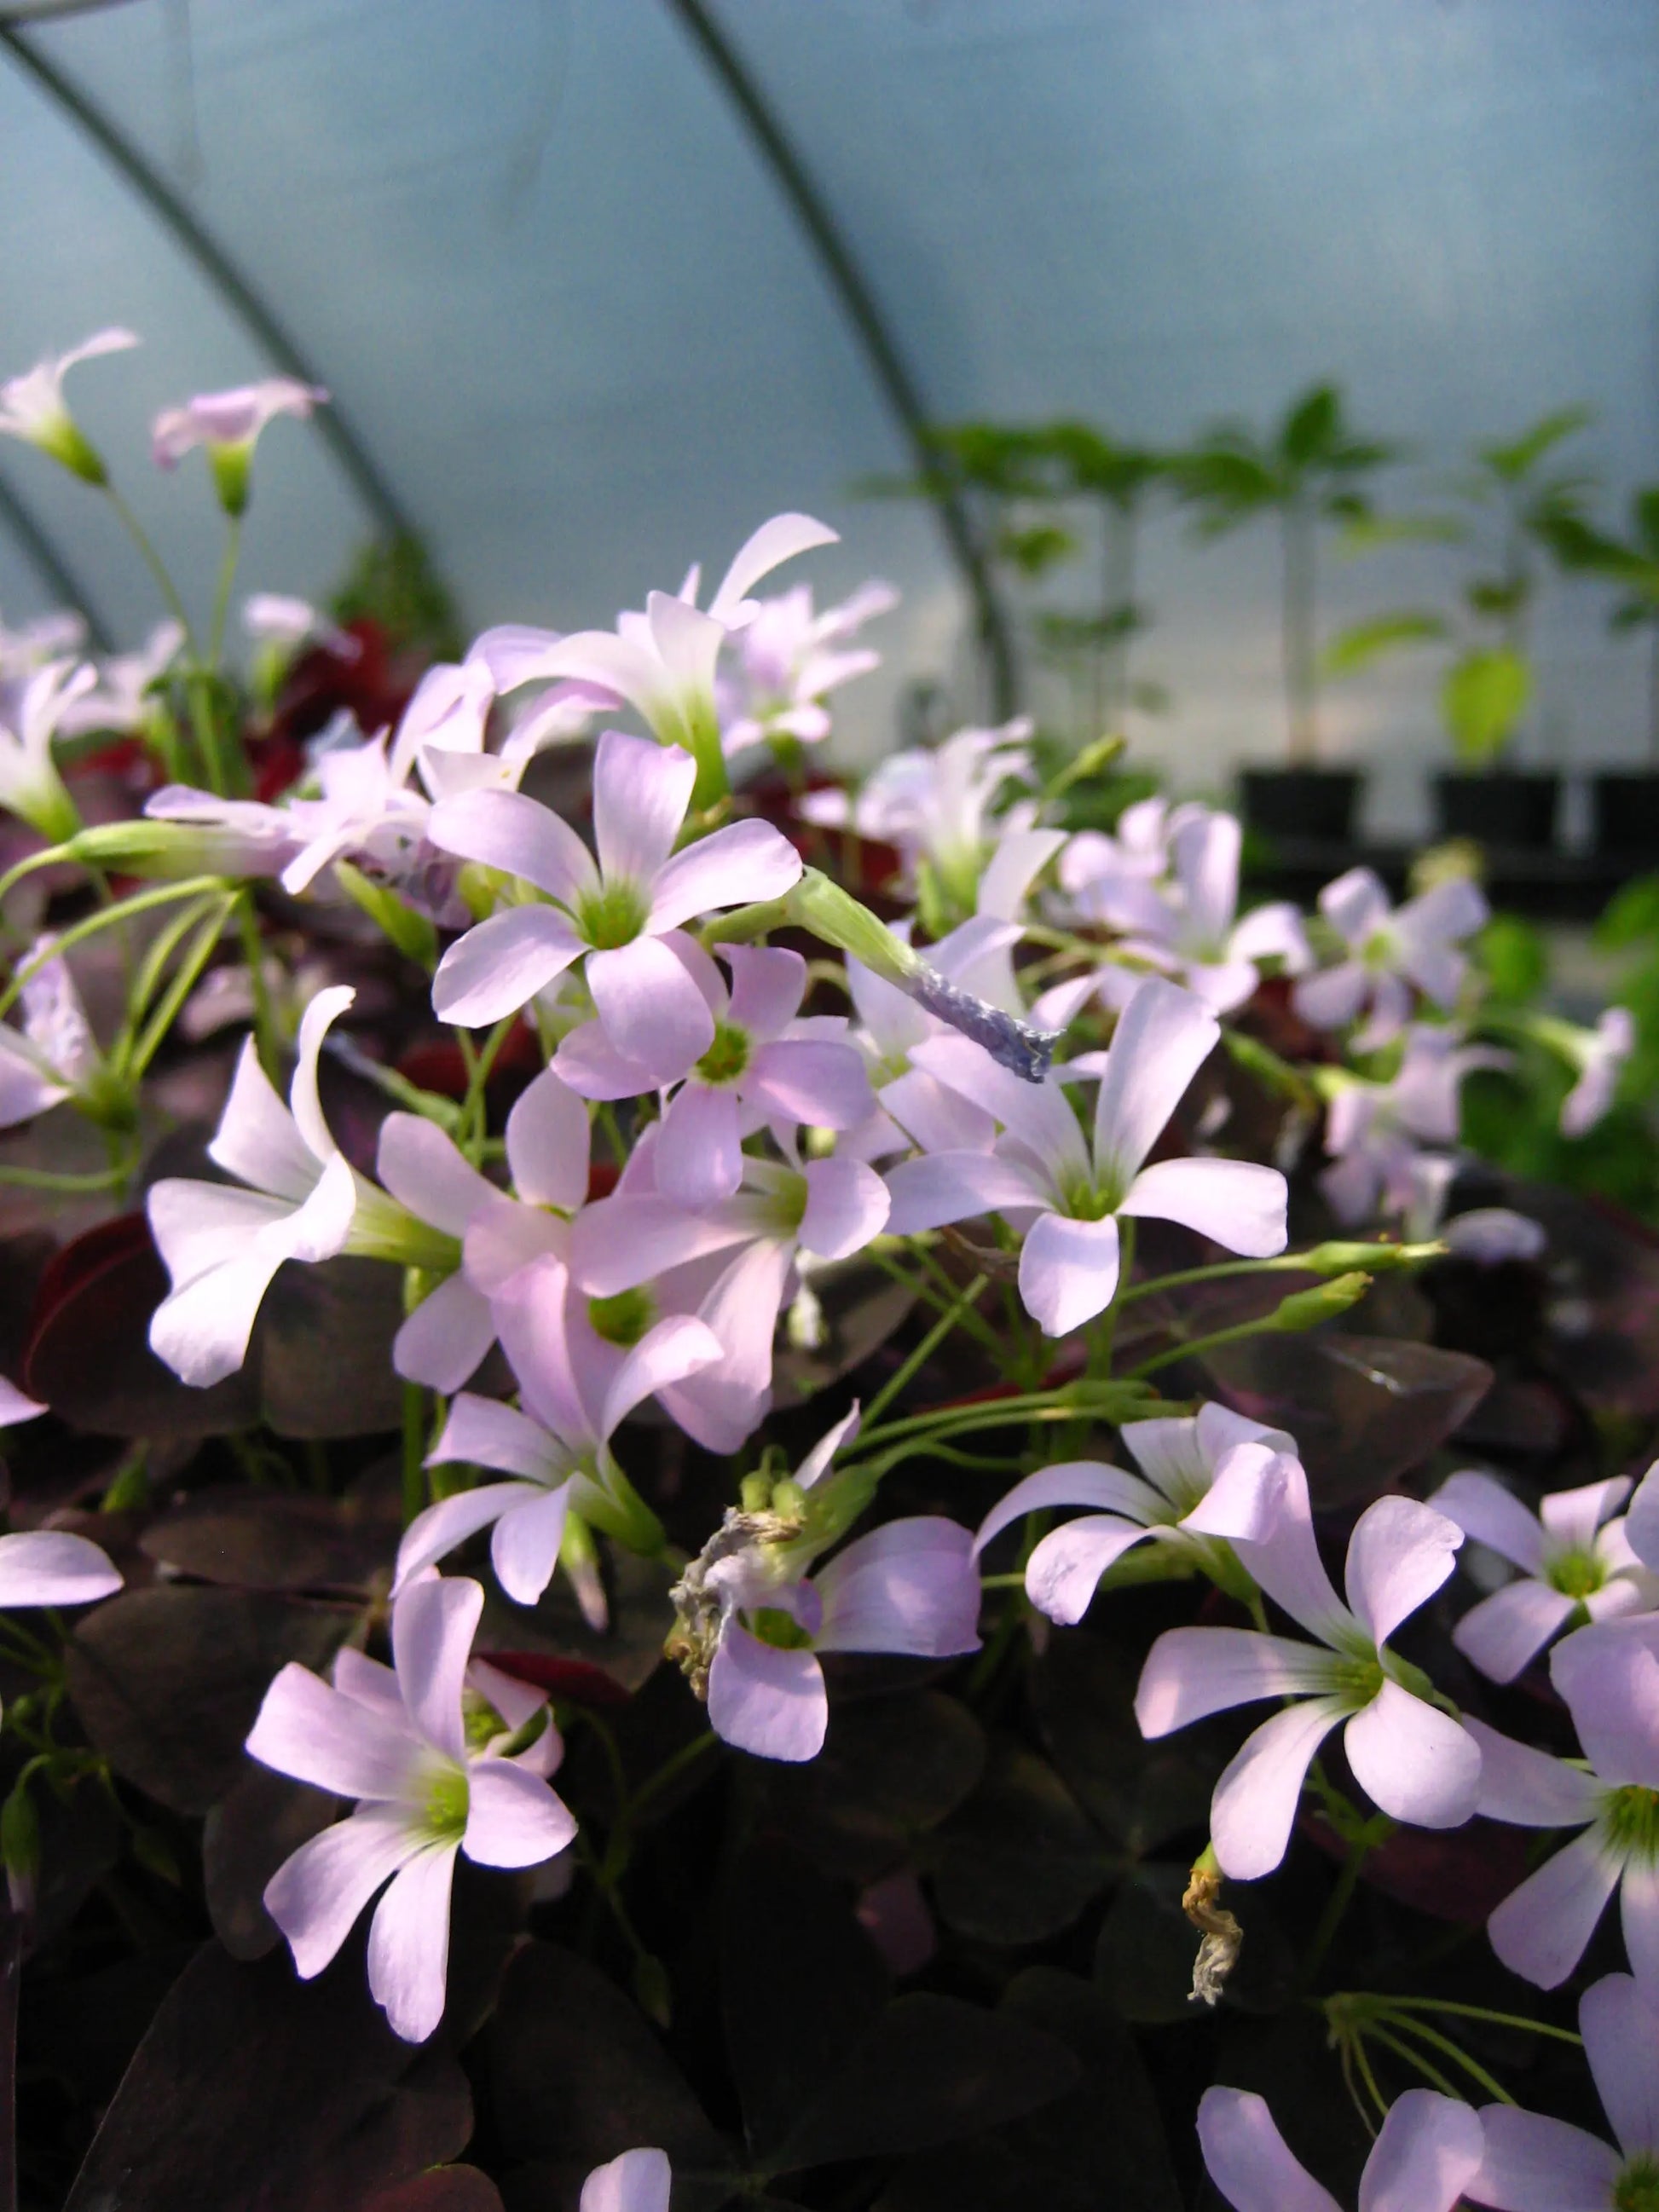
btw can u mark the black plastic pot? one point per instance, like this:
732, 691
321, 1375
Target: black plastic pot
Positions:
1301, 802
1501, 807
1625, 814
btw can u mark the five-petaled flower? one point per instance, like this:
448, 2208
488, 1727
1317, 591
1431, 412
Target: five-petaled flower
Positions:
435, 1771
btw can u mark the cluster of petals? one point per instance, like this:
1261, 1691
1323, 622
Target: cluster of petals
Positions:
1190, 1491
1600, 1057
1375, 1132
789, 659
32, 405
33, 712
1068, 1192
936, 803
616, 916
1187, 926
1426, 2156
1575, 1561
398, 1740
1609, 1678
1390, 953
231, 418
53, 1055
1413, 1758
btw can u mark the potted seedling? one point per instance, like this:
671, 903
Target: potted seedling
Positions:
1624, 801
1112, 482
1489, 685
1309, 474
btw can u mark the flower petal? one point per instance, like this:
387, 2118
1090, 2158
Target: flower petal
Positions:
316, 1894
505, 829
547, 1145
1164, 1036
847, 1203
500, 965
1533, 2164
436, 1532
638, 2181
1419, 1764
1254, 1806
1191, 1672
1062, 1572
49, 1566
1505, 1631
1638, 1912
1493, 1516
1529, 1787
490, 1434
445, 1337
777, 540
767, 1701
1248, 2160
768, 982
819, 1083
1429, 2151
424, 1170
1073, 1482
1609, 1678
1068, 1271
257, 1140
957, 1187
409, 1944
1399, 1555
699, 1154
743, 864
678, 1346
306, 1728
653, 1011
1572, 1517
433, 1624
513, 1817
1621, 2042
524, 1548
908, 1587
1236, 1203
1540, 1929
640, 792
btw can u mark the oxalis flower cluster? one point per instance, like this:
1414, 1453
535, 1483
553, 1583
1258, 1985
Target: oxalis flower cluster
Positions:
700, 1087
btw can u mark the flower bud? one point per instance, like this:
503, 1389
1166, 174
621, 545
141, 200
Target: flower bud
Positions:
1307, 1309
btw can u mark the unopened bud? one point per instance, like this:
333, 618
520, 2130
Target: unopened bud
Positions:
1307, 1309
1376, 1259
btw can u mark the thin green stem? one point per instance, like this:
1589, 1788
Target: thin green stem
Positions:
1370, 2078
1336, 1904
1193, 1345
221, 595
184, 980
1472, 2066
153, 560
1417, 2061
1483, 2012
112, 1177
267, 1041
925, 1350
670, 1770
106, 917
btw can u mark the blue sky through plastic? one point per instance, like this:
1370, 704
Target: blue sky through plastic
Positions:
529, 247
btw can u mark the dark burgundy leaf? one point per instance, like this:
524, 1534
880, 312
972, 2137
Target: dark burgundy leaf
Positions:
440, 2189
1459, 1874
325, 1343
260, 1820
256, 2092
277, 1539
1363, 1409
1140, 1793
629, 1651
1020, 1860
167, 1680
892, 1769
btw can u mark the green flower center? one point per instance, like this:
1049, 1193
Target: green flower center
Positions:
1378, 953
480, 1722
1359, 1680
728, 1057
1637, 2189
1631, 1817
612, 917
1087, 1201
623, 1318
1575, 1573
446, 1801
773, 1626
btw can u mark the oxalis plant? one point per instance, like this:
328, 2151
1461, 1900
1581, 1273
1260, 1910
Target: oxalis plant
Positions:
675, 1543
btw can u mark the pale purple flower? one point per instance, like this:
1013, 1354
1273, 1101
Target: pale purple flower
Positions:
734, 1264
54, 1055
47, 637
578, 1387
496, 1234
409, 1751
363, 809
1426, 2156
31, 716
1534, 2164
1391, 952
1410, 1758
32, 405
296, 1197
1041, 1170
1609, 1680
763, 1065
614, 915
663, 662
1375, 1132
1600, 1057
1191, 1492
229, 425
936, 803
124, 698
1189, 929
14, 1407
1094, 865
1642, 1521
1575, 1564
227, 836
1487, 1234
789, 660
278, 618
638, 2181
911, 1586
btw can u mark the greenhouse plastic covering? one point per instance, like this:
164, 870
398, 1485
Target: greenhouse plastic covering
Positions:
533, 250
